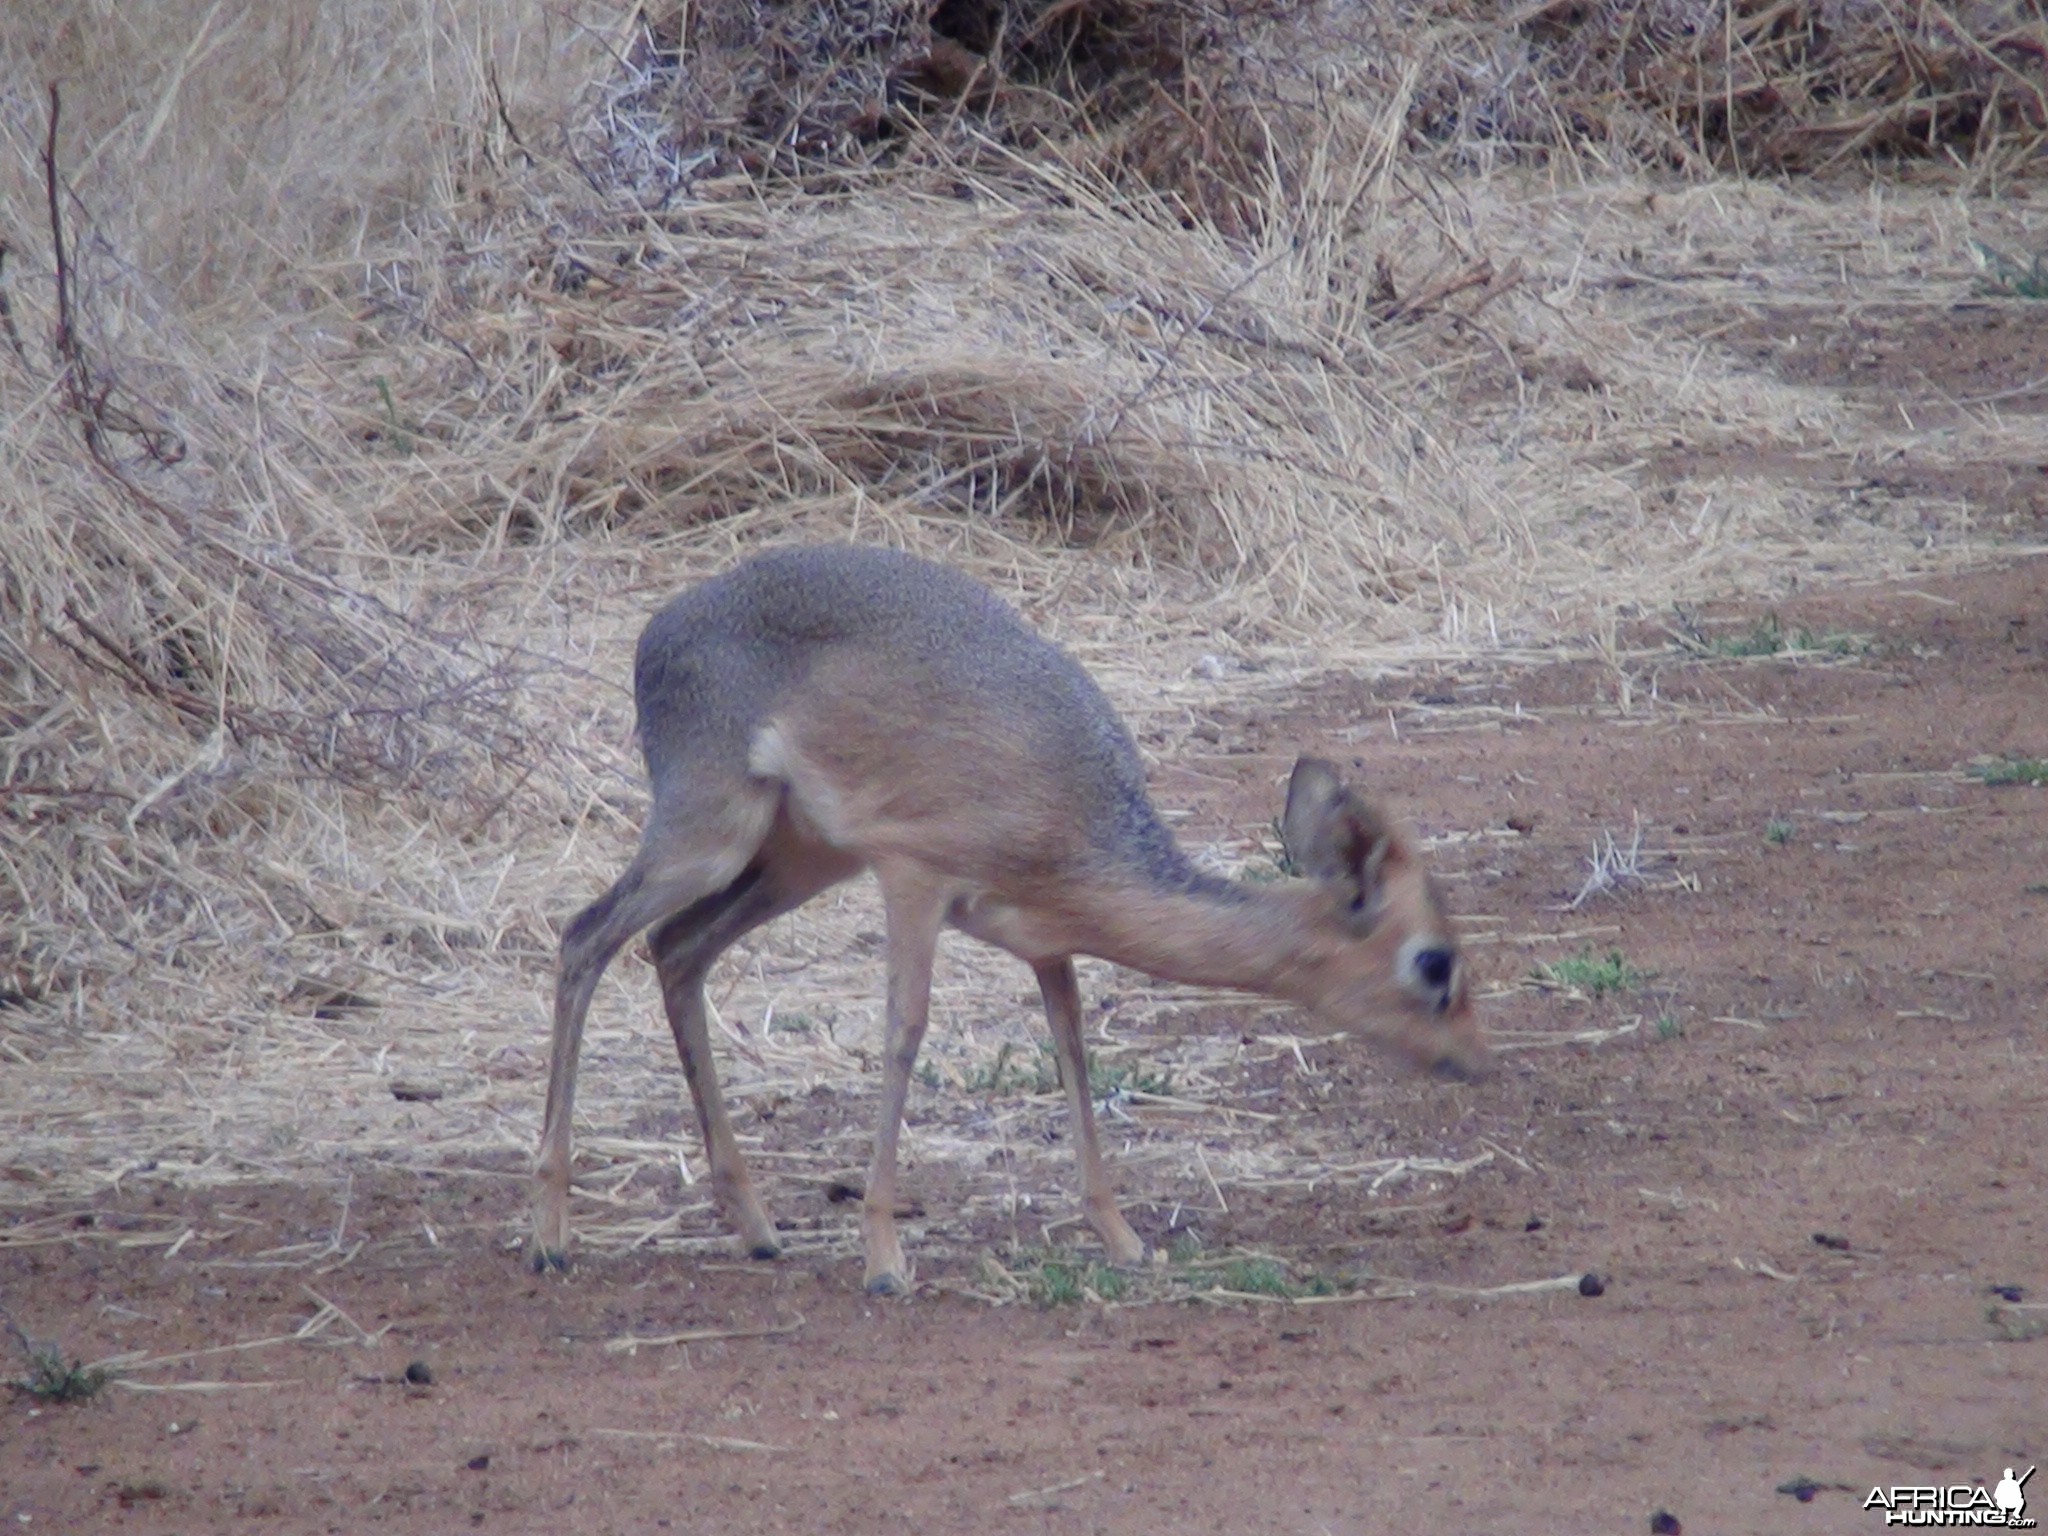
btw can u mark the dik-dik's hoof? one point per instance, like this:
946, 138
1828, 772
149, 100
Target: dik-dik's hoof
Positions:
763, 1252
1130, 1256
1126, 1249
888, 1284
544, 1261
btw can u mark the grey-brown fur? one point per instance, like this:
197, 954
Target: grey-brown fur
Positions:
724, 657
815, 712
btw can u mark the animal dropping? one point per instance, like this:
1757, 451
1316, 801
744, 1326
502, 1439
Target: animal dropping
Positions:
816, 712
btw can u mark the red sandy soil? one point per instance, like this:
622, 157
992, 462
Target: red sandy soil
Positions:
1843, 1037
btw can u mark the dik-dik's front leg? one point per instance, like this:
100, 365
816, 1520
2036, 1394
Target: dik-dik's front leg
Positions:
1062, 993
914, 911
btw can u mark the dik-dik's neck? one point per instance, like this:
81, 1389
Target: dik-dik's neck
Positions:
1213, 933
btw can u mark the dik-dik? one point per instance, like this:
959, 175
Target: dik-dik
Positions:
817, 712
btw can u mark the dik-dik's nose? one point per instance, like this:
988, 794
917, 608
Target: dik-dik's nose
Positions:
1453, 1069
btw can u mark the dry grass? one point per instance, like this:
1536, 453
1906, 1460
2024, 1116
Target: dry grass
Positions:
402, 360
1750, 86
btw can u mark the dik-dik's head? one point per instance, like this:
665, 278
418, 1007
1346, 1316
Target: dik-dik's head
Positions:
1382, 957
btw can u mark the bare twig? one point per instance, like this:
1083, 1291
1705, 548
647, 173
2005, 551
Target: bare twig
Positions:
631, 1343
89, 399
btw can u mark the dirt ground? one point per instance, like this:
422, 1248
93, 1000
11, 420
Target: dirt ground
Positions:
1802, 1152
1803, 1156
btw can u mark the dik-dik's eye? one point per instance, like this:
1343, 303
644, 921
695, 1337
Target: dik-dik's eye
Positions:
1433, 968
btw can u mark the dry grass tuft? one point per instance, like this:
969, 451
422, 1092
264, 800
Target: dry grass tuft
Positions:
1206, 102
1746, 85
813, 88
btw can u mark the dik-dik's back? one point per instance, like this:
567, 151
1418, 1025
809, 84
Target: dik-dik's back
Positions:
814, 713
901, 697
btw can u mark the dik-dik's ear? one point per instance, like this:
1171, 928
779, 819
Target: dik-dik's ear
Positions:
1334, 837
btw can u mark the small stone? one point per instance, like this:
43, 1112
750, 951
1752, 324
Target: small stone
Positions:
1591, 1284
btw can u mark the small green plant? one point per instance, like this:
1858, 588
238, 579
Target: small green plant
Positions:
1766, 637
1769, 637
1055, 1283
1833, 642
396, 432
1253, 1276
1008, 1075
51, 1378
1059, 1282
2012, 276
1595, 977
2038, 888
1256, 1277
1128, 1077
1777, 833
2012, 770
790, 1024
1668, 1027
1185, 1248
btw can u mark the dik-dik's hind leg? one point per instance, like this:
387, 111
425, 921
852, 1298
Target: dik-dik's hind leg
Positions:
684, 949
659, 882
1062, 993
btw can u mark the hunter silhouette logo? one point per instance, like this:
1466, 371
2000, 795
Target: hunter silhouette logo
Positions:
2004, 1506
2007, 1494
